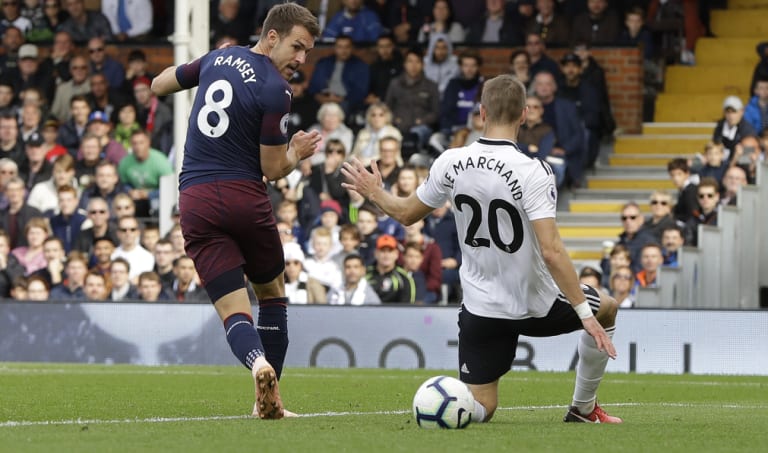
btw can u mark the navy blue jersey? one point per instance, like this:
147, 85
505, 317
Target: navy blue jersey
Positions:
242, 102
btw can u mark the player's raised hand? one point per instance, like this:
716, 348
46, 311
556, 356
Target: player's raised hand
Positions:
602, 339
359, 179
305, 143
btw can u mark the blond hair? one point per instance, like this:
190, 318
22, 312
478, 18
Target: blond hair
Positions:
504, 99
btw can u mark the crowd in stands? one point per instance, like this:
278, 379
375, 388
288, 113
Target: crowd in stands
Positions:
83, 142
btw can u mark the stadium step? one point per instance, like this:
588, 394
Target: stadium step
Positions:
610, 182
730, 79
672, 107
739, 23
633, 171
612, 207
678, 128
723, 51
622, 195
659, 144
590, 231
573, 218
747, 4
645, 160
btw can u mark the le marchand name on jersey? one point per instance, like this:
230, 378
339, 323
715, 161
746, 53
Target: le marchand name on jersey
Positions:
484, 163
239, 63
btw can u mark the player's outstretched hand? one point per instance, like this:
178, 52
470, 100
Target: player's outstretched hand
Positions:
602, 339
305, 143
359, 179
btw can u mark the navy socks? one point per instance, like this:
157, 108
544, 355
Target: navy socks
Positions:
243, 338
273, 329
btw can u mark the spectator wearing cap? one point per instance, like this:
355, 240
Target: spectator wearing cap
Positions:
391, 282
79, 84
73, 129
591, 107
12, 17
82, 24
129, 19
356, 290
50, 131
303, 106
29, 72
100, 127
101, 63
103, 97
35, 168
321, 265
135, 68
153, 116
300, 288
733, 131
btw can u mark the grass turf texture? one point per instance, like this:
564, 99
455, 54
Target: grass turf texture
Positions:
46, 407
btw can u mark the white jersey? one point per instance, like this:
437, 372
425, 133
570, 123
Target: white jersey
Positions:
496, 191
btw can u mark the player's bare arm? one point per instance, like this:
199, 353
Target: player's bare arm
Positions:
562, 270
165, 83
278, 161
369, 185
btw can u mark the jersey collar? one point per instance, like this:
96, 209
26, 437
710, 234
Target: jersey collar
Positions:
496, 142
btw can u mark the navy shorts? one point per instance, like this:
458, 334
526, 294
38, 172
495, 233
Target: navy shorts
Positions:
230, 224
487, 346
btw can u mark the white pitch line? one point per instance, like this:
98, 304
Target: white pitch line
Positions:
26, 423
615, 378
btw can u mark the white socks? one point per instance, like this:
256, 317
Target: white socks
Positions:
479, 414
589, 372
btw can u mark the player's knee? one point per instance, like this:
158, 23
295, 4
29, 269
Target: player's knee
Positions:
606, 315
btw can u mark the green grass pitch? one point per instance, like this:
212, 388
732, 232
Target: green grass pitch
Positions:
74, 408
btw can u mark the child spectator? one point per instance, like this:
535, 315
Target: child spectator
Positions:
321, 267
714, 162
680, 174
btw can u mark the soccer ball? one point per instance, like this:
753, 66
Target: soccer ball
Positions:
443, 402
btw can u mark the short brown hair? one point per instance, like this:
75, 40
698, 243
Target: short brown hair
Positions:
504, 99
282, 18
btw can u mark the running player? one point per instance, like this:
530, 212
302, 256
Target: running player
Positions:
237, 136
516, 274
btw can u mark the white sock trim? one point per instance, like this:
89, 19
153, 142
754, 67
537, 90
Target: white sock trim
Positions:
479, 414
